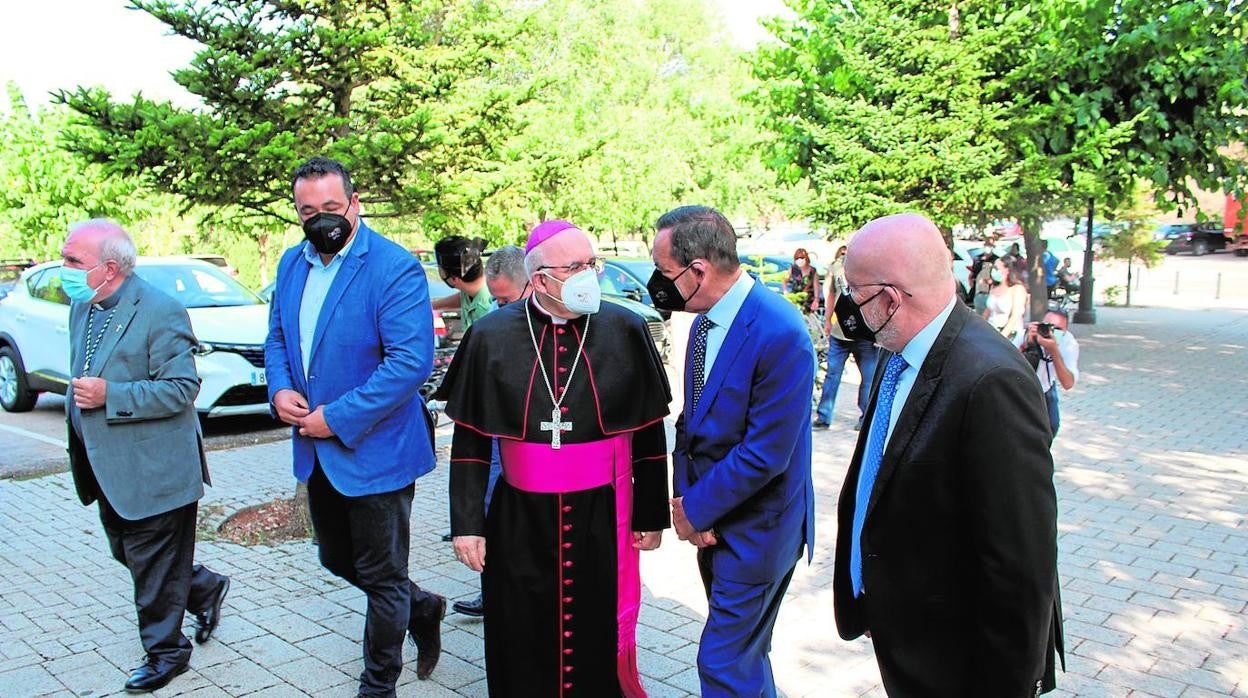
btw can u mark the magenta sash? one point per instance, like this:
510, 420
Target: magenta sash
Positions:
536, 467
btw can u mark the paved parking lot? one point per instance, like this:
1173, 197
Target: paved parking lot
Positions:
1152, 477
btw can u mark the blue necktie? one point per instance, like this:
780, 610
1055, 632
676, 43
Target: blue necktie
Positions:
699, 360
871, 462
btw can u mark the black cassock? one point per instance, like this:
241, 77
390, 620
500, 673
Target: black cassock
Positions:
561, 583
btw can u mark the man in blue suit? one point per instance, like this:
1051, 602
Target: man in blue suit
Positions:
350, 343
741, 460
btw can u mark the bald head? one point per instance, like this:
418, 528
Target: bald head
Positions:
907, 254
905, 249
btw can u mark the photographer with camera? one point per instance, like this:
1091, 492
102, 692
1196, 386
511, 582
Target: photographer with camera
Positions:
1052, 350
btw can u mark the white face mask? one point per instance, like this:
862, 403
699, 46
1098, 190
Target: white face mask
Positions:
581, 292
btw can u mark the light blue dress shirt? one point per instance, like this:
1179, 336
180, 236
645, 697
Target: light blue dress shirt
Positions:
915, 352
722, 314
320, 277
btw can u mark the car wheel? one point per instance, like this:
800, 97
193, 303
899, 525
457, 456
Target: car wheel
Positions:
15, 393
1200, 248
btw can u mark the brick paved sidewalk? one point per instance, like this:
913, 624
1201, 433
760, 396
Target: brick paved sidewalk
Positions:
1153, 489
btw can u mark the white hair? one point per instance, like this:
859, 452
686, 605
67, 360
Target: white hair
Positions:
115, 242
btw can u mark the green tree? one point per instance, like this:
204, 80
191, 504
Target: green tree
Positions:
1134, 243
984, 109
636, 112
405, 93
44, 188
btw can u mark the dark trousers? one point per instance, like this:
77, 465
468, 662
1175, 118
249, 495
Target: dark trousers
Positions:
159, 551
733, 654
365, 541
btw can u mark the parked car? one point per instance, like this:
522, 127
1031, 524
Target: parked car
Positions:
628, 278
446, 325
770, 270
654, 321
782, 243
229, 321
1199, 240
10, 271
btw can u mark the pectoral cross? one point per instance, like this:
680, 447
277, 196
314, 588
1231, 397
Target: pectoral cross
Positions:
556, 426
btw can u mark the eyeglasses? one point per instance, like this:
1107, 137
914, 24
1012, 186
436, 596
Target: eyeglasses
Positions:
595, 263
851, 290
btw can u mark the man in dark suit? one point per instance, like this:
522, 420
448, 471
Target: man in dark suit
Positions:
946, 551
741, 460
350, 343
134, 440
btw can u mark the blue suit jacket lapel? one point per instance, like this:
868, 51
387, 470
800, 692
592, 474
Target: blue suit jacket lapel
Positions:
738, 335
351, 264
292, 299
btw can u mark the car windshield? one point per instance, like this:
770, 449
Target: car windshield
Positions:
198, 285
638, 268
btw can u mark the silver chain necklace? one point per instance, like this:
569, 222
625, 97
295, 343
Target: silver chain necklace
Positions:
556, 426
94, 343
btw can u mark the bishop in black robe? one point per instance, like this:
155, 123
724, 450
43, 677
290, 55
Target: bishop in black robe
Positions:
561, 583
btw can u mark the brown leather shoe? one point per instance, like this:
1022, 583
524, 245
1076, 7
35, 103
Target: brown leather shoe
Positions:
426, 634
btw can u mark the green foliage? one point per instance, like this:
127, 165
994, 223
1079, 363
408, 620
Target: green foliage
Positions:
404, 93
1133, 244
43, 188
636, 113
987, 109
469, 116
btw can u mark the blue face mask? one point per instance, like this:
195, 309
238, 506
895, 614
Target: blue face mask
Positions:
74, 283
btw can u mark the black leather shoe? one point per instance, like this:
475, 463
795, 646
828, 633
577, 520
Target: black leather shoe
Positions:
820, 424
474, 608
427, 636
153, 675
207, 619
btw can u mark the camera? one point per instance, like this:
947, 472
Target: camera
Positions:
1044, 329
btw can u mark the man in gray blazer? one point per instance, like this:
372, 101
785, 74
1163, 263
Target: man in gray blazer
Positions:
134, 440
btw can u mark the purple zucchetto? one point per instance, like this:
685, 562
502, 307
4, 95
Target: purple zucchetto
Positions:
544, 231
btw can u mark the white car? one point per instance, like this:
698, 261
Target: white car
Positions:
229, 321
782, 243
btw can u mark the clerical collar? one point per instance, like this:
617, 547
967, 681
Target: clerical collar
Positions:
553, 318
113, 299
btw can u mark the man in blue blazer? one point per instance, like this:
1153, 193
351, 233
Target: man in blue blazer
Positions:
350, 343
741, 459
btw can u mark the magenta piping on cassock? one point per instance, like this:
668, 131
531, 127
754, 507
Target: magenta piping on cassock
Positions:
535, 467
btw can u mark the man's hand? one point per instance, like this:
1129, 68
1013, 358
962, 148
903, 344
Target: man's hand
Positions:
291, 407
680, 522
314, 425
703, 539
648, 540
90, 392
685, 530
470, 550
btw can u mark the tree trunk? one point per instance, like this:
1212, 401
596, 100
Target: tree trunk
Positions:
1129, 282
1086, 314
1039, 293
302, 518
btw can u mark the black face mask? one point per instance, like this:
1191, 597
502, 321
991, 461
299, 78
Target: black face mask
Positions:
665, 294
328, 232
849, 316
